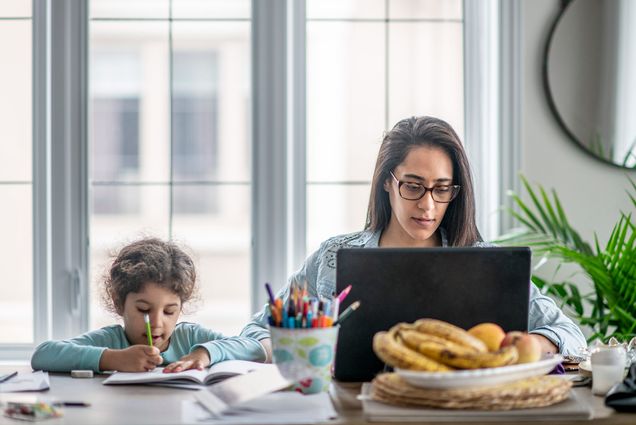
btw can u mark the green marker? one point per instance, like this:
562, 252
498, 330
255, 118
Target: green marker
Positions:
148, 331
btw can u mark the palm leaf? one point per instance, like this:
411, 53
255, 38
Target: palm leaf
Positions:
609, 307
537, 205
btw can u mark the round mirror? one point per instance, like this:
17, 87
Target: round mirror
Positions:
590, 77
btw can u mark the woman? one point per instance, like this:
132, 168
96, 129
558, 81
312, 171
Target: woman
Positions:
421, 196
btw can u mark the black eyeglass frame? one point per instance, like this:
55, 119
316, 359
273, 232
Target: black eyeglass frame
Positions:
456, 188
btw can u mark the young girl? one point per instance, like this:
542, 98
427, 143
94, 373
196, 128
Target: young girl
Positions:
421, 196
156, 278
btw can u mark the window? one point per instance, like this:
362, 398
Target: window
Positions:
195, 129
370, 64
16, 218
170, 99
154, 130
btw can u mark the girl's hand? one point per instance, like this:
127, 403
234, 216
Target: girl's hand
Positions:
136, 358
198, 359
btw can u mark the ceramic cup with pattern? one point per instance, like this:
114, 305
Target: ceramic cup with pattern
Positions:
305, 356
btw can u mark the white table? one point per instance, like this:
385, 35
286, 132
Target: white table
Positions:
142, 404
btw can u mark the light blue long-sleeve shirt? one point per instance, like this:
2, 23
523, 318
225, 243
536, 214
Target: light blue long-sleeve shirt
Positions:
319, 271
85, 351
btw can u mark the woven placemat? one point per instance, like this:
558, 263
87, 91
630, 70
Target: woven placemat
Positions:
539, 391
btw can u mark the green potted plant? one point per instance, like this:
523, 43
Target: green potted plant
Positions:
607, 305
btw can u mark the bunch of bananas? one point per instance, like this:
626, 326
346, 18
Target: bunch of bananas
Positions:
434, 345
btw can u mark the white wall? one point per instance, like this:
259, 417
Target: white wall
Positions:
592, 192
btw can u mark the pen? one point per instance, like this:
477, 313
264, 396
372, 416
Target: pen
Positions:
343, 294
348, 311
336, 309
270, 294
148, 331
5, 378
71, 404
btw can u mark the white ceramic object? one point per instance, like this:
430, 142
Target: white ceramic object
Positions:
585, 368
608, 368
474, 378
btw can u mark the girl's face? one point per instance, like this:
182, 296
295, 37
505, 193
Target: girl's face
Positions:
414, 223
161, 304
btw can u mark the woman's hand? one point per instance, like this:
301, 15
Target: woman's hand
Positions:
547, 346
136, 358
198, 359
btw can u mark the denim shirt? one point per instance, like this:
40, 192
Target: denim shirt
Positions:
319, 270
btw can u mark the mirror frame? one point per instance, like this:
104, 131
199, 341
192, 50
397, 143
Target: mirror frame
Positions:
564, 5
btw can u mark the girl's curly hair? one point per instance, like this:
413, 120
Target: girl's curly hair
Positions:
149, 260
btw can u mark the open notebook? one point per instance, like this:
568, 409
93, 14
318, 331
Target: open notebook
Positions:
188, 378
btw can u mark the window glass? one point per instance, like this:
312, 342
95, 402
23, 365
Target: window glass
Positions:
16, 216
15, 100
170, 105
416, 87
220, 241
211, 101
16, 259
130, 101
335, 209
211, 9
345, 99
425, 9
364, 73
211, 194
142, 210
346, 9
15, 9
139, 9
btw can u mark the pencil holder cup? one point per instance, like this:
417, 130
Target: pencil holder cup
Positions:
305, 356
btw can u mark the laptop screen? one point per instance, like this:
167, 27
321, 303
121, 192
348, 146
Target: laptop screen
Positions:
463, 286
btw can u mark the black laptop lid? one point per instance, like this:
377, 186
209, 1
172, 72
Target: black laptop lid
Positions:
463, 286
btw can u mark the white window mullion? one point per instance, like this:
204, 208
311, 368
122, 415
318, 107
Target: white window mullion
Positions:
297, 133
41, 172
481, 68
69, 237
511, 105
269, 147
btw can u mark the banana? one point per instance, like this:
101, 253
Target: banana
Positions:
431, 345
450, 333
392, 352
503, 357
455, 355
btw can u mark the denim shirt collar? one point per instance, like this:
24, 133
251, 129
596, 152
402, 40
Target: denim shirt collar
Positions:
372, 239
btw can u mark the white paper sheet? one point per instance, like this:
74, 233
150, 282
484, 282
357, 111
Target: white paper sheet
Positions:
234, 391
285, 407
26, 381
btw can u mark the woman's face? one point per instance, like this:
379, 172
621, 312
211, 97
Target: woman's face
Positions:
414, 223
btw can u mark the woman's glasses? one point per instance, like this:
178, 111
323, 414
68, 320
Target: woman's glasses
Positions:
412, 191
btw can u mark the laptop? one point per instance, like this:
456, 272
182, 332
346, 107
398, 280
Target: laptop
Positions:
463, 286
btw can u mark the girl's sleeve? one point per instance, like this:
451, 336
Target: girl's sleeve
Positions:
547, 319
257, 327
221, 348
81, 352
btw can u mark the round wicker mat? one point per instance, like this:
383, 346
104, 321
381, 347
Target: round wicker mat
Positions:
538, 391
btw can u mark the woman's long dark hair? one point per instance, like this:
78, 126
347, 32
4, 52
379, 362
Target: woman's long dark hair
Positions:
459, 220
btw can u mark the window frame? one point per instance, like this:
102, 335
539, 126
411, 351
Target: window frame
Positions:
493, 107
60, 158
